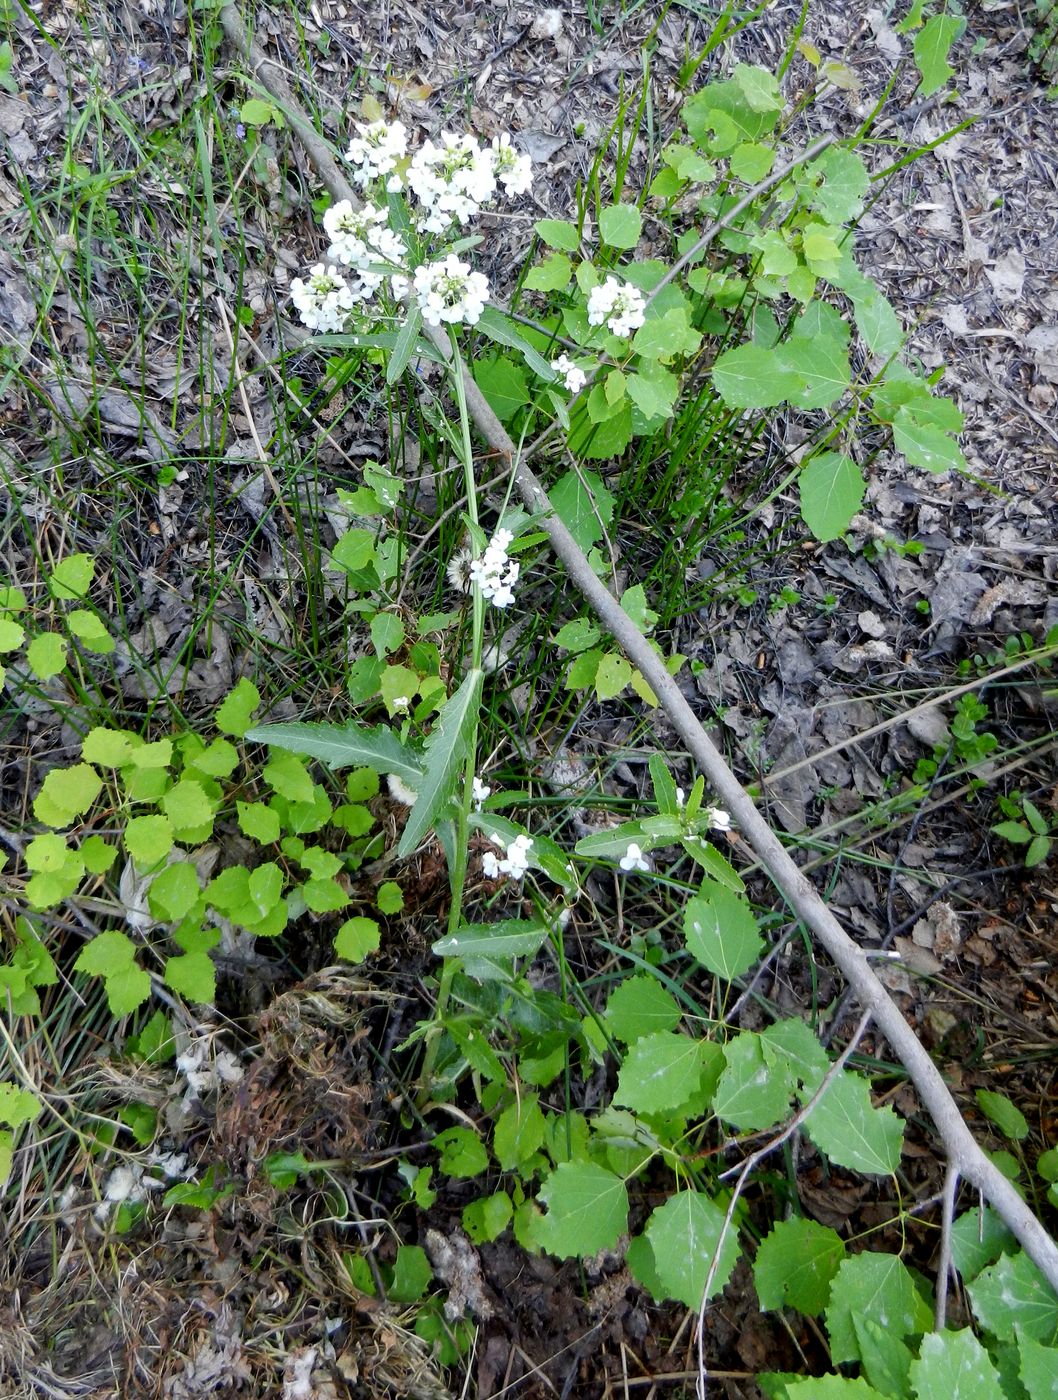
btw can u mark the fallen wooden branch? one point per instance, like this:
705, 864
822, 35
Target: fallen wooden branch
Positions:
965, 1157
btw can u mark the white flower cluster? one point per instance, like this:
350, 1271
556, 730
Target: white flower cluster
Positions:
572, 374
515, 861
455, 177
620, 306
448, 291
362, 238
376, 152
494, 573
323, 299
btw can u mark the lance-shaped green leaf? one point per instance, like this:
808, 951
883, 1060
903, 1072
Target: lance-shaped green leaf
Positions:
344, 746
445, 753
507, 938
501, 329
405, 345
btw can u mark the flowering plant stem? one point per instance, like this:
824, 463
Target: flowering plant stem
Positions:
462, 842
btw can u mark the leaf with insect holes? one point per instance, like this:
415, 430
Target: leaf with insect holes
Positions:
853, 1133
587, 1210
445, 754
661, 1072
795, 1264
954, 1366
685, 1233
832, 490
486, 1219
721, 931
46, 655
873, 1285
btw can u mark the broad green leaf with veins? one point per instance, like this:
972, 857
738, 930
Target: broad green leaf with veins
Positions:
684, 1234
587, 1210
878, 1286
954, 1366
853, 1133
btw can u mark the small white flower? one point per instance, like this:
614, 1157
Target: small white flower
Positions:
362, 238
514, 863
621, 306
719, 820
574, 376
513, 170
494, 573
323, 299
633, 859
377, 149
401, 702
681, 797
448, 291
479, 791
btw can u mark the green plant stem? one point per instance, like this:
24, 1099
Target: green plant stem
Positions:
459, 869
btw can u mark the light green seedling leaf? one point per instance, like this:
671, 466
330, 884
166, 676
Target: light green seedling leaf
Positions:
390, 898
188, 806
751, 376
549, 276
69, 792
286, 774
1013, 1293
344, 746
661, 1072
640, 1006
258, 821
954, 1366
12, 635
558, 233
148, 839
485, 1219
685, 1234
612, 675
110, 748
1007, 1117
577, 635
445, 755
519, 1132
192, 975
354, 550
752, 1093
832, 489
174, 892
98, 855
721, 931
357, 939
234, 714
462, 1153
90, 632
751, 161
587, 1210
840, 193
46, 655
931, 49
72, 576
127, 988
873, 1285
18, 1106
620, 225
795, 1265
853, 1133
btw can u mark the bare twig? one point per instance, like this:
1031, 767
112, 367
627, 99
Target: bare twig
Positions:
964, 1153
951, 1187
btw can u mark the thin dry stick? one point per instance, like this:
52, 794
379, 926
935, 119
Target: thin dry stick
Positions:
802, 897
951, 1186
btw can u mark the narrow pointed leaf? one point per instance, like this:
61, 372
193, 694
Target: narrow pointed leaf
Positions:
445, 753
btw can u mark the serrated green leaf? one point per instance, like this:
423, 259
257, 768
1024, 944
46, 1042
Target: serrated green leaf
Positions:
174, 892
90, 631
67, 793
926, 446
192, 975
640, 1006
234, 714
72, 576
844, 182
46, 655
752, 377
549, 276
822, 363
620, 225
148, 839
661, 1072
12, 635
504, 385
853, 1133
258, 821
1007, 1117
558, 233
1038, 1368
684, 1235
795, 1265
354, 550
587, 1210
519, 1132
444, 755
1014, 1293
977, 1240
598, 441
750, 162
127, 988
390, 897
832, 488
584, 505
931, 49
110, 748
18, 1106
357, 938
462, 1153
344, 746
721, 931
791, 1045
752, 1094
759, 86
830, 1388
884, 1359
878, 1286
188, 806
877, 321
954, 1366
